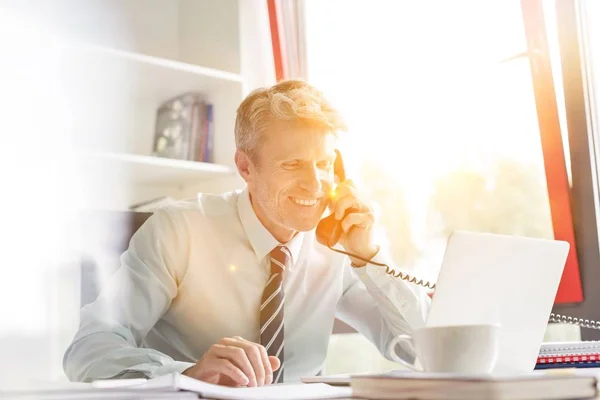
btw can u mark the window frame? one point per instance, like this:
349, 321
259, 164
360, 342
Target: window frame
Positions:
584, 191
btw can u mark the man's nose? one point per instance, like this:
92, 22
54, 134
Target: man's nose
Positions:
312, 180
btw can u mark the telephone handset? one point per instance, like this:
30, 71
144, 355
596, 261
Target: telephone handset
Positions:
329, 230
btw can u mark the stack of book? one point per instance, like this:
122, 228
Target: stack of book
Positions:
184, 128
538, 385
569, 355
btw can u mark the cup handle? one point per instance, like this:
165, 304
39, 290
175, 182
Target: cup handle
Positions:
397, 340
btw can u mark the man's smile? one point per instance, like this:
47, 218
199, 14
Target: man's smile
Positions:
305, 202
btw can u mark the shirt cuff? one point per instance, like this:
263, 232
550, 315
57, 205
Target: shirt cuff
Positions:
175, 366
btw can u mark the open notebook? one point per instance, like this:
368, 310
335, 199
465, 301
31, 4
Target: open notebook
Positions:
178, 382
176, 386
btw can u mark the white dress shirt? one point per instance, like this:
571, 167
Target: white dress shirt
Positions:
195, 272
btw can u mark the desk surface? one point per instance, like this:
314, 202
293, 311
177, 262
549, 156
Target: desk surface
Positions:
77, 390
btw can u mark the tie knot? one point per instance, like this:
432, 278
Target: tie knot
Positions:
280, 259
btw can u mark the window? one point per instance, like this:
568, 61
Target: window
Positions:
577, 34
444, 131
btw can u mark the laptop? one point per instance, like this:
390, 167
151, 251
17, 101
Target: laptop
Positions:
491, 278
508, 280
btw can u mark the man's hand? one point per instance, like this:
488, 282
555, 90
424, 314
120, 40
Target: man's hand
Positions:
358, 237
235, 362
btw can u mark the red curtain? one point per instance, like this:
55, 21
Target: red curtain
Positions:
277, 41
570, 290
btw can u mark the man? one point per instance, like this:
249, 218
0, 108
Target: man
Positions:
203, 284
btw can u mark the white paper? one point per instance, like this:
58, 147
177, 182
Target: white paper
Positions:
115, 383
269, 392
301, 391
89, 393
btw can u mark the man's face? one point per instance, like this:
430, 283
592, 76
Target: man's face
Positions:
291, 177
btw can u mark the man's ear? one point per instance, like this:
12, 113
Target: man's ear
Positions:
242, 162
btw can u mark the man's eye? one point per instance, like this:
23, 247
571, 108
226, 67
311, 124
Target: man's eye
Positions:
291, 165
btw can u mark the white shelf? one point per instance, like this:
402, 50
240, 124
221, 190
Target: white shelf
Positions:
142, 59
150, 170
152, 78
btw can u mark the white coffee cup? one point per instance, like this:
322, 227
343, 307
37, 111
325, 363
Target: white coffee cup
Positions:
462, 349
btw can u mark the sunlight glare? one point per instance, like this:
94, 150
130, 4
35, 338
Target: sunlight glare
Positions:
427, 99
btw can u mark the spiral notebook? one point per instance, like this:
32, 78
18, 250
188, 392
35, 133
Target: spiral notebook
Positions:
565, 348
584, 354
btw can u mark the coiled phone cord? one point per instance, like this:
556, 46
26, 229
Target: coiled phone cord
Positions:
390, 271
584, 323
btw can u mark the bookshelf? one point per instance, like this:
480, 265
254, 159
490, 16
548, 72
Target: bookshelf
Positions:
156, 50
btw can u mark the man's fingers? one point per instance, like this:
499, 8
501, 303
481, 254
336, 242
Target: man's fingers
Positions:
254, 355
228, 368
238, 357
266, 364
362, 220
345, 187
342, 190
275, 362
345, 203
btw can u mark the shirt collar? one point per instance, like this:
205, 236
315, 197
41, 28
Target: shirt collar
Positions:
261, 240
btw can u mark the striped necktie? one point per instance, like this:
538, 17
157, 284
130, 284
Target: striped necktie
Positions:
271, 308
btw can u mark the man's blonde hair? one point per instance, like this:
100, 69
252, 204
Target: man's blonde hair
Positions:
294, 101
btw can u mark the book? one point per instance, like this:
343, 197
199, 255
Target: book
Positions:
575, 360
426, 386
198, 132
553, 355
563, 348
569, 358
177, 126
590, 365
207, 155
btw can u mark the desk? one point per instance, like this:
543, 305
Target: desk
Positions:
295, 391
87, 391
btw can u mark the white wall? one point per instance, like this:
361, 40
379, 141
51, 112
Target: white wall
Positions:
257, 64
38, 229
49, 112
